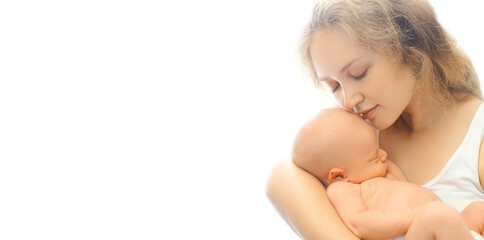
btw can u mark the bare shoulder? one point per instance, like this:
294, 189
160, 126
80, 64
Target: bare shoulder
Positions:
467, 109
338, 187
481, 163
463, 114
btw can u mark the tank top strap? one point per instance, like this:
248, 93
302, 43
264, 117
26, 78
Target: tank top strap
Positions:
480, 119
458, 182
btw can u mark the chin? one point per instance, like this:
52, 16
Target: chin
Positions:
374, 124
379, 124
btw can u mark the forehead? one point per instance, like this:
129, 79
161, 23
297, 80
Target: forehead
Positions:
333, 48
356, 135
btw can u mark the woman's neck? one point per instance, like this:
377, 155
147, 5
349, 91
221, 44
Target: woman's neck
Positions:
422, 113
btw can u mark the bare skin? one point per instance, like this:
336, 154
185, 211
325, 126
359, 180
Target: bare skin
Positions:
310, 208
370, 214
437, 220
369, 192
414, 150
418, 140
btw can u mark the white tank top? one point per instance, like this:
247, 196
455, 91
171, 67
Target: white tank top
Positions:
458, 182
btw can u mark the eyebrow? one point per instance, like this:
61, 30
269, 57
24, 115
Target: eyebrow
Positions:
342, 69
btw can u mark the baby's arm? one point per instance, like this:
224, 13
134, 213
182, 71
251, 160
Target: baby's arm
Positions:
367, 224
395, 171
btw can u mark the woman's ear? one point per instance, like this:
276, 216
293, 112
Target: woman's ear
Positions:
335, 175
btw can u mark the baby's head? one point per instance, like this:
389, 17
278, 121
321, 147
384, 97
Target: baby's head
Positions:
339, 146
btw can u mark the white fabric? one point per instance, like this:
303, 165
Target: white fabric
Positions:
458, 182
477, 236
401, 237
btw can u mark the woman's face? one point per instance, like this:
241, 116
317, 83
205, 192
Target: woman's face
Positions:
361, 81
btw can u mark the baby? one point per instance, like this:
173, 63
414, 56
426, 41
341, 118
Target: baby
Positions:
369, 192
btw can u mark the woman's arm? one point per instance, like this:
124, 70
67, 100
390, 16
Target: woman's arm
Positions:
302, 201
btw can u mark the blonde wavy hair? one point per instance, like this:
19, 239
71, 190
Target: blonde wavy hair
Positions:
406, 31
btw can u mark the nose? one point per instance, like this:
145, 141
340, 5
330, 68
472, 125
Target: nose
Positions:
352, 98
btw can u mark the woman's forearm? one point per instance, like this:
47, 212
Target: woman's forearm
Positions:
302, 201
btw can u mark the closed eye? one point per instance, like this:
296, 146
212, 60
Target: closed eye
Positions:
361, 76
335, 89
375, 157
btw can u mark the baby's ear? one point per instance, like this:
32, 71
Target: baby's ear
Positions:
335, 175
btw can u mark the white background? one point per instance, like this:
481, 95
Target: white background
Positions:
156, 119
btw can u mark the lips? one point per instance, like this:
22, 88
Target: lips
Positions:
368, 113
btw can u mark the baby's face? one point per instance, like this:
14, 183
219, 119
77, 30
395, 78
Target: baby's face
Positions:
359, 153
341, 140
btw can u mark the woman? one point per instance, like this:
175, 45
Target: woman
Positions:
390, 62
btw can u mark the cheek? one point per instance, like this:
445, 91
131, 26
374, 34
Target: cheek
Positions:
385, 90
375, 92
399, 93
375, 87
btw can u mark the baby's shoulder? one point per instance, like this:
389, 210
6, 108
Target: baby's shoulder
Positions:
341, 188
369, 187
